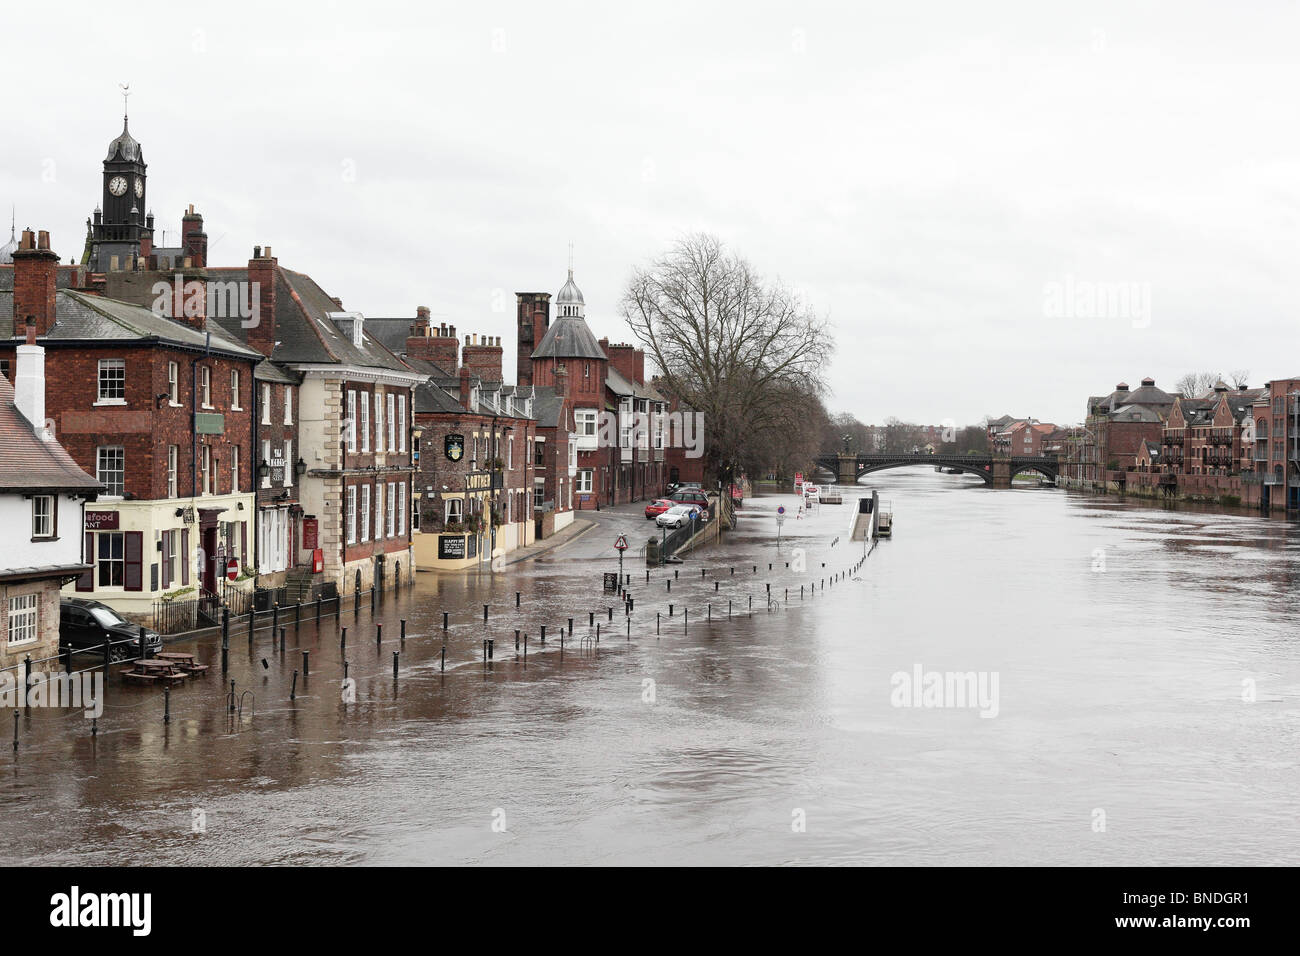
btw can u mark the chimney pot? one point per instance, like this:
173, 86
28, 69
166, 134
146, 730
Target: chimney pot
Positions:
268, 253
31, 330
257, 252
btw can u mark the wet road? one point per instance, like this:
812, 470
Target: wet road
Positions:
1120, 636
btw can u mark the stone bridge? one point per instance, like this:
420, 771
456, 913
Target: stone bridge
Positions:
996, 471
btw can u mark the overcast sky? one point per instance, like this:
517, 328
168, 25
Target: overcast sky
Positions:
947, 182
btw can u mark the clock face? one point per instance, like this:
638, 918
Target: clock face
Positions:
117, 186
139, 187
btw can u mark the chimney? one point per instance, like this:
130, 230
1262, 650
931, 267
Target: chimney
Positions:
444, 350
261, 282
533, 311
627, 361
29, 382
194, 241
35, 271
483, 358
419, 344
1122, 387
464, 389
1148, 382
561, 376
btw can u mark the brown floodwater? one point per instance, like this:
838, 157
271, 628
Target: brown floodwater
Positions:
1125, 643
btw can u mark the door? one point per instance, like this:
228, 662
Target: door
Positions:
210, 559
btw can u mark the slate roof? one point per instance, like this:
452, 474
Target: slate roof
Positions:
546, 406
569, 337
430, 398
81, 317
28, 461
267, 371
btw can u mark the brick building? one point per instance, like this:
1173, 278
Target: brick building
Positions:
160, 411
42, 492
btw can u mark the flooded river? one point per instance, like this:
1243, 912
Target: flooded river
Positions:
1139, 676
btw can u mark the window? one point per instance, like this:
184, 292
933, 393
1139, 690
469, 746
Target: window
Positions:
234, 391
365, 512
352, 420
173, 456
205, 386
22, 619
573, 455
234, 469
266, 460
401, 423
379, 510
352, 514
454, 506
110, 559
112, 382
173, 383
288, 463
510, 453
401, 507
266, 404
584, 481
168, 558
110, 469
586, 370
392, 423
379, 422
288, 405
415, 511
365, 422
207, 469
539, 453
539, 492
42, 516
659, 430
392, 508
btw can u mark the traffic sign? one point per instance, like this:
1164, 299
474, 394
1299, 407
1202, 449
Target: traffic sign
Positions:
621, 543
780, 509
232, 569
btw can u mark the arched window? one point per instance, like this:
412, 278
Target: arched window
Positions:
1261, 428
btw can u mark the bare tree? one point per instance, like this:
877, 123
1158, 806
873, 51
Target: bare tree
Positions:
1196, 384
1239, 377
729, 345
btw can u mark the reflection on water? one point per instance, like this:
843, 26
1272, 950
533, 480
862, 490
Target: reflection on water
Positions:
1121, 634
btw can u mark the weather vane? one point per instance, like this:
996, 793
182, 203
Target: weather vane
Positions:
126, 91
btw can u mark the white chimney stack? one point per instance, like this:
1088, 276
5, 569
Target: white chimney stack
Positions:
29, 383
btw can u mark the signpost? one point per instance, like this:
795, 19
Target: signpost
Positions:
780, 520
621, 544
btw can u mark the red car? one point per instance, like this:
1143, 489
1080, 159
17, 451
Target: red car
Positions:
657, 507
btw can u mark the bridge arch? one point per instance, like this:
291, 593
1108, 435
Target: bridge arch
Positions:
985, 473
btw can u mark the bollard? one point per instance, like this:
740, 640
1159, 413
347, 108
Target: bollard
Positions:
591, 618
275, 619
801, 592
597, 633
27, 675
669, 582
485, 607
676, 572
769, 565
733, 570
379, 633
516, 640
769, 590
656, 622
345, 668
629, 629
304, 663
443, 665
282, 640
728, 607
751, 602
701, 574
144, 651
444, 620
647, 577
571, 624
318, 610
16, 730
710, 617
372, 599
343, 640
670, 610
94, 726
755, 569
491, 647
403, 634
265, 665
525, 647
231, 699
394, 665
686, 620
297, 619
356, 605
611, 613
167, 705
543, 633
293, 688
787, 595
715, 585
516, 599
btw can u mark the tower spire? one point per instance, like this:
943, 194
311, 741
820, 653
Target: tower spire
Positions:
570, 258
126, 92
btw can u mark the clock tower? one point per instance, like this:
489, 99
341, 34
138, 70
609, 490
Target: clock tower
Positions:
120, 224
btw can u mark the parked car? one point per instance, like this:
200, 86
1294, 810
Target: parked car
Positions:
657, 507
690, 496
680, 485
84, 625
678, 515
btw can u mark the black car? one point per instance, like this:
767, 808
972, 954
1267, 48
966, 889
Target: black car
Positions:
84, 625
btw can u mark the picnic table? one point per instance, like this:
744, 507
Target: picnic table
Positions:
156, 671
185, 662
